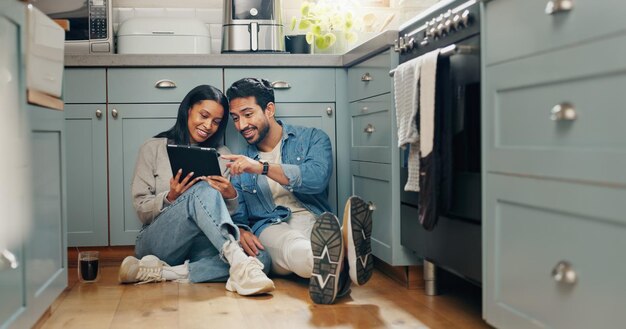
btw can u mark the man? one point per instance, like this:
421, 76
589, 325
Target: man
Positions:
282, 185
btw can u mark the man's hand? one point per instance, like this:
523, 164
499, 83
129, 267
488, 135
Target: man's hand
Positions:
240, 164
249, 242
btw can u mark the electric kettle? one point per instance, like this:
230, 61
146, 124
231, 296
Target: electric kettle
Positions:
253, 26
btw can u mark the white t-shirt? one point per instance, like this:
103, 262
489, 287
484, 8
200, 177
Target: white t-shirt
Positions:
280, 194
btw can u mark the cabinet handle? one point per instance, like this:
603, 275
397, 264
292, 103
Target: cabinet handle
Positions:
371, 206
329, 111
369, 129
559, 6
165, 84
7, 258
98, 114
281, 85
366, 77
364, 109
563, 272
563, 112
114, 113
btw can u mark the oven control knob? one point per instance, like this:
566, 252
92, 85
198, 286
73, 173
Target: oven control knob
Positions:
465, 18
401, 44
411, 44
456, 21
396, 48
447, 26
441, 30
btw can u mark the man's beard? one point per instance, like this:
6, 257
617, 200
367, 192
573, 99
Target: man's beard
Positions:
261, 134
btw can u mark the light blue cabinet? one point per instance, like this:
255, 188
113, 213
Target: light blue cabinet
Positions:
46, 246
87, 215
128, 130
309, 100
12, 285
40, 274
553, 165
374, 155
86, 144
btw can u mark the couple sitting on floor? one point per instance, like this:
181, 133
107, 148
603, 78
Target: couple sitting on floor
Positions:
271, 213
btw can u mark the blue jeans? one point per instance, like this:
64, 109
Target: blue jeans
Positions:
194, 227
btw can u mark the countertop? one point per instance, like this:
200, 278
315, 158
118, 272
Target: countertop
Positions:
366, 49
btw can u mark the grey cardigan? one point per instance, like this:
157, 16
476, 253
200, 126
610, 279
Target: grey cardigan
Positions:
151, 181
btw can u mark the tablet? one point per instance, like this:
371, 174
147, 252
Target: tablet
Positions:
203, 161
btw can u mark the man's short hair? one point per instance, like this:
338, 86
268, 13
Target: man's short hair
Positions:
260, 89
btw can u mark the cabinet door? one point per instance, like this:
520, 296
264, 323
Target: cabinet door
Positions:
12, 300
318, 115
87, 214
128, 130
46, 248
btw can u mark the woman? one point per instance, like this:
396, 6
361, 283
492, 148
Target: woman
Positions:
186, 222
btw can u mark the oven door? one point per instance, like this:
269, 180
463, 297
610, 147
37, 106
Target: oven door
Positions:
458, 107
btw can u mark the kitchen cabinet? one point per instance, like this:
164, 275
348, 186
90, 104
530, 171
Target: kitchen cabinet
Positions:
374, 155
12, 284
86, 145
109, 134
553, 210
40, 274
304, 97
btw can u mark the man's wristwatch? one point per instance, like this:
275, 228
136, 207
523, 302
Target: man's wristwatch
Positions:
266, 167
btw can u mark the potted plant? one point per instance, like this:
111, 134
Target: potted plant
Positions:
329, 26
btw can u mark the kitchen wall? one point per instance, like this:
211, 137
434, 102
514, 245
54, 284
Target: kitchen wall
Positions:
210, 12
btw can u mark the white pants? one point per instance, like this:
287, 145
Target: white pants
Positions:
289, 245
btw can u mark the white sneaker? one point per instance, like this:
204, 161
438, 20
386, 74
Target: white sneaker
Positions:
148, 269
247, 278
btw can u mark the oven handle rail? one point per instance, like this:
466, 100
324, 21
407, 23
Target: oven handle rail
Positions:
451, 50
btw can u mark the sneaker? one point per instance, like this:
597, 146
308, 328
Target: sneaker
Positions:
128, 270
327, 247
148, 269
247, 278
357, 230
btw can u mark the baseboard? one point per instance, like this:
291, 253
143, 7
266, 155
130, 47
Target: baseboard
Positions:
109, 256
411, 277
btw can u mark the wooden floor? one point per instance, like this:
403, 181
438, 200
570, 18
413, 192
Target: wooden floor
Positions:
381, 303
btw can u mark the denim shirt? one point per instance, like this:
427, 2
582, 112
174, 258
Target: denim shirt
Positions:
307, 162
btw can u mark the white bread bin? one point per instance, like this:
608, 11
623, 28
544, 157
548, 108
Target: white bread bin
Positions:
163, 35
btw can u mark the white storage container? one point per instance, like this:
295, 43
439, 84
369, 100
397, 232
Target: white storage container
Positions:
163, 35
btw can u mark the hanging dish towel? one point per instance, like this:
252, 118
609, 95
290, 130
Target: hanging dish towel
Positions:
430, 161
405, 83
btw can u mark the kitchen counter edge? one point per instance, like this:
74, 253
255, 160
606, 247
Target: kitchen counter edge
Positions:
367, 49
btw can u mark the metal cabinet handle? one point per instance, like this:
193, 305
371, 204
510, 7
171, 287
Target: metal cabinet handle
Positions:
7, 258
369, 129
98, 114
114, 113
366, 77
371, 206
281, 85
364, 109
563, 272
329, 111
559, 6
165, 84
563, 112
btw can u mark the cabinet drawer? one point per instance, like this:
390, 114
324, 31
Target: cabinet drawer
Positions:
538, 224
84, 86
521, 137
372, 182
291, 85
370, 78
517, 28
371, 129
158, 85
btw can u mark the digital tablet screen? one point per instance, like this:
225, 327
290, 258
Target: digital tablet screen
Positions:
203, 161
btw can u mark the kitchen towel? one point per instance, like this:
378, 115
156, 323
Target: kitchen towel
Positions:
405, 82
